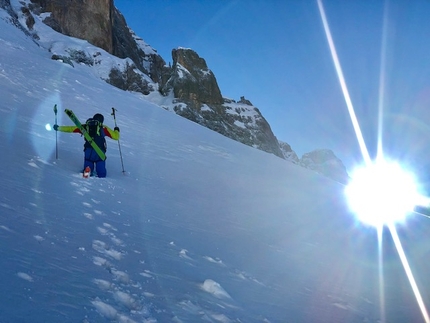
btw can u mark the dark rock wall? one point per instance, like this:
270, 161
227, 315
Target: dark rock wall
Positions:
124, 45
101, 24
191, 80
85, 19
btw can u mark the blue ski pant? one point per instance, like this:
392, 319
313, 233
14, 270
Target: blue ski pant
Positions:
93, 159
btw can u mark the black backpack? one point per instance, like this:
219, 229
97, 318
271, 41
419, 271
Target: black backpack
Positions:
95, 130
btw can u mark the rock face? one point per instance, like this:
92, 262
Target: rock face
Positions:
101, 24
191, 80
90, 20
127, 44
199, 99
325, 162
288, 153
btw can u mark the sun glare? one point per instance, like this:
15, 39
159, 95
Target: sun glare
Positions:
382, 193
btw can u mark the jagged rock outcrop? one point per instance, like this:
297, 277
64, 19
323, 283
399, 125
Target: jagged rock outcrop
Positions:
246, 124
199, 99
5, 4
288, 152
191, 80
324, 161
127, 44
235, 120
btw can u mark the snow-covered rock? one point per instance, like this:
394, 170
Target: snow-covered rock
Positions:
288, 152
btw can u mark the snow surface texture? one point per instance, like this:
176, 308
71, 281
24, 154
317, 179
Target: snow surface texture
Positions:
200, 228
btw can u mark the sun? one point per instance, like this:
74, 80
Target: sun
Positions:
382, 193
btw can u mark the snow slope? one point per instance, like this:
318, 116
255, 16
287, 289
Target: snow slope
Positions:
200, 228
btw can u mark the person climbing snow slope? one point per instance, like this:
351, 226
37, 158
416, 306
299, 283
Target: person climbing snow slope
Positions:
98, 132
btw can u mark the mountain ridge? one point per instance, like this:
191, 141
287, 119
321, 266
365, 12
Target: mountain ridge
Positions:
196, 95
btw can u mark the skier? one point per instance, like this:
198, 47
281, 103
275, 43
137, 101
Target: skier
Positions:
98, 131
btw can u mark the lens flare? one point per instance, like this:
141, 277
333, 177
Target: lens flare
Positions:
343, 86
382, 193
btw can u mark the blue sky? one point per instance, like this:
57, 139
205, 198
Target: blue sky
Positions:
275, 53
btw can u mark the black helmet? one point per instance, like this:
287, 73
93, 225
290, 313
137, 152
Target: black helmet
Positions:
99, 117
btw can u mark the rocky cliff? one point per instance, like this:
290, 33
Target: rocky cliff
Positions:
199, 99
288, 153
101, 24
191, 80
90, 20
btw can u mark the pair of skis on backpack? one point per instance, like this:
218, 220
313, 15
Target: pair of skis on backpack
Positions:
88, 137
83, 130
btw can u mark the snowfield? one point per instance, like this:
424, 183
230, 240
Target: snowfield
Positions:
200, 228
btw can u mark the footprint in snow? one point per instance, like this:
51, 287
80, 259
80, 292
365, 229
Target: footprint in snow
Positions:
84, 189
75, 184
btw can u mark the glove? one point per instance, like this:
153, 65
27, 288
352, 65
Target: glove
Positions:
116, 129
55, 127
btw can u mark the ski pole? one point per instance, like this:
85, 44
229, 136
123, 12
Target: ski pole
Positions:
119, 146
56, 135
